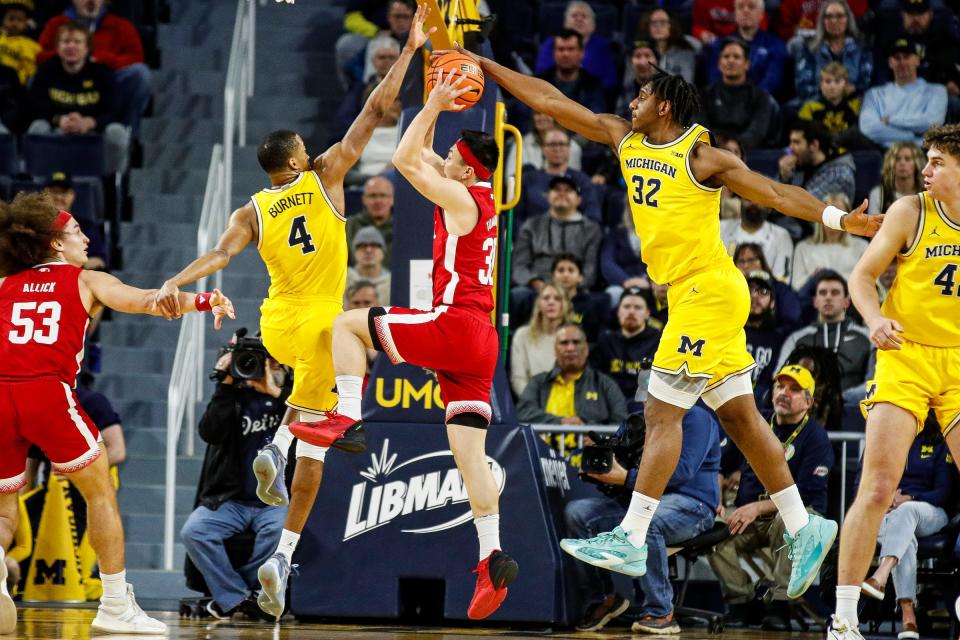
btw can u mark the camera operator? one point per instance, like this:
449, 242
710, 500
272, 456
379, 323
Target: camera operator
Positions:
686, 510
241, 417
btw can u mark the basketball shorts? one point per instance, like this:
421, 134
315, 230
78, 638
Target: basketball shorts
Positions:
704, 339
44, 412
917, 378
460, 346
298, 332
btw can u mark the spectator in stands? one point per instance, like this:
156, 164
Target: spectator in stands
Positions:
598, 57
241, 417
532, 346
571, 392
377, 212
713, 20
17, 50
59, 188
643, 57
918, 509
675, 53
115, 44
899, 177
385, 51
730, 203
361, 295
12, 101
766, 52
619, 352
363, 20
734, 106
688, 505
754, 227
587, 309
834, 331
368, 249
764, 336
71, 95
755, 524
903, 110
831, 249
377, 155
800, 17
533, 146
620, 263
814, 163
828, 395
837, 108
836, 40
749, 257
399, 18
535, 198
568, 75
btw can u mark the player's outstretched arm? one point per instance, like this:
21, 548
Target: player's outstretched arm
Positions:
336, 161
896, 234
238, 234
542, 96
107, 290
711, 162
456, 201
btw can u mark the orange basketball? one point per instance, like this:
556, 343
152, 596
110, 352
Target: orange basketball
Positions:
464, 66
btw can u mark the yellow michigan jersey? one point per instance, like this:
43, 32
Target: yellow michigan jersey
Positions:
303, 241
925, 299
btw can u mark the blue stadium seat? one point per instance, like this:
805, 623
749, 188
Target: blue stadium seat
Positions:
8, 155
76, 155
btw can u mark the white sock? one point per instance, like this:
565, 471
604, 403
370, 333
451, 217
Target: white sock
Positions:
288, 544
114, 584
790, 505
847, 598
638, 518
3, 573
283, 439
488, 533
348, 391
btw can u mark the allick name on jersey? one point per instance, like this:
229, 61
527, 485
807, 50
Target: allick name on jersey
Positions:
39, 287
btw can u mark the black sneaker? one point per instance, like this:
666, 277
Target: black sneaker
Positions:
217, 611
252, 610
353, 440
777, 617
599, 614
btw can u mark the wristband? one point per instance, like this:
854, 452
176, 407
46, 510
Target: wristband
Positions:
202, 301
832, 217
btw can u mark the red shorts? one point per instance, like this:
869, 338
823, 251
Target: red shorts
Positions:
460, 346
44, 412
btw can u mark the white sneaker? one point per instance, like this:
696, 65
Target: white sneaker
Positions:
124, 615
957, 607
842, 630
8, 610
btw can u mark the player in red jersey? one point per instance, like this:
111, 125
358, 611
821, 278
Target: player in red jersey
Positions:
46, 301
455, 338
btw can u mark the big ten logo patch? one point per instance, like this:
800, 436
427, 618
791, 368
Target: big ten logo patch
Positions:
403, 393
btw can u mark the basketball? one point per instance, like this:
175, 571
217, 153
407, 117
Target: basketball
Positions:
464, 66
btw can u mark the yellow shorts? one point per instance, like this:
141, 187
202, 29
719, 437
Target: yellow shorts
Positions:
298, 333
918, 378
704, 336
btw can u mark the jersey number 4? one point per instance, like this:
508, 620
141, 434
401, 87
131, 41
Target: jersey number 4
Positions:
653, 186
299, 236
26, 318
944, 279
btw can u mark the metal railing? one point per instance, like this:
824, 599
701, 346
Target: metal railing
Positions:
186, 380
844, 438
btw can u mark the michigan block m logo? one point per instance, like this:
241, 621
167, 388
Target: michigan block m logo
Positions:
687, 345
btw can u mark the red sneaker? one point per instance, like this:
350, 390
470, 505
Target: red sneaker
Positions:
335, 430
494, 574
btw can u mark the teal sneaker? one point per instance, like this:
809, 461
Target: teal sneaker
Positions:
808, 551
611, 550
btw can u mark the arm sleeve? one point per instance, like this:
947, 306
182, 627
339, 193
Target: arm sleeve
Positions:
528, 407
221, 415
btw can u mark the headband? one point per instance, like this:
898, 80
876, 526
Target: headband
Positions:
471, 160
61, 220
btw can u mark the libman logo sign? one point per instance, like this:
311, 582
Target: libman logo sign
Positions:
424, 494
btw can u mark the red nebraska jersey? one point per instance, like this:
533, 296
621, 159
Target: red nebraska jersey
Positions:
42, 324
463, 265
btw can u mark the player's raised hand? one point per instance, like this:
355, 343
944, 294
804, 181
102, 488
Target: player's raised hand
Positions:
417, 36
858, 222
221, 307
444, 94
885, 333
168, 301
459, 49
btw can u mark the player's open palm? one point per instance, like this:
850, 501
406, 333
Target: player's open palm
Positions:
885, 334
418, 37
221, 307
444, 94
858, 222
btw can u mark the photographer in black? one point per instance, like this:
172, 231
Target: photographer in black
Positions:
686, 510
241, 417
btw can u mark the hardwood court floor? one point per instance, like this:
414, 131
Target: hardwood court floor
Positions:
74, 624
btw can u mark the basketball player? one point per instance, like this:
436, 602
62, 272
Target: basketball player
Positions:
46, 301
455, 338
917, 333
298, 226
674, 175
